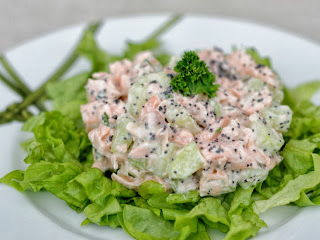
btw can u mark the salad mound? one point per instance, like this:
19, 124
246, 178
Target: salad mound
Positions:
144, 126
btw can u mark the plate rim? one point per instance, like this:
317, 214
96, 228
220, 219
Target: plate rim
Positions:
251, 22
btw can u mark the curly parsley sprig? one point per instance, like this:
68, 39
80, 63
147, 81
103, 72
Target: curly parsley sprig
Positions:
193, 77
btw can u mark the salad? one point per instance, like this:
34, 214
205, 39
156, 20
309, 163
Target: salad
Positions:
144, 126
166, 147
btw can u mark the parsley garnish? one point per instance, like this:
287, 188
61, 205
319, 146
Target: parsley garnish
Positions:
193, 77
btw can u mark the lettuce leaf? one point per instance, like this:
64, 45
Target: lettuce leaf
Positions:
208, 210
188, 197
312, 200
99, 214
244, 222
304, 92
150, 188
172, 214
56, 139
273, 183
143, 224
13, 179
292, 191
159, 201
90, 49
200, 235
68, 95
297, 155
49, 176
100, 59
133, 48
243, 225
306, 116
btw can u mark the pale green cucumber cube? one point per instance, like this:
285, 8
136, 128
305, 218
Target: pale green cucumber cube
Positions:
278, 117
121, 135
138, 93
267, 138
179, 116
250, 177
159, 165
255, 84
217, 107
134, 104
188, 161
139, 162
160, 77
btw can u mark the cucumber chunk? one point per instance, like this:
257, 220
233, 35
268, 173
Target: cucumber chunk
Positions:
277, 95
134, 104
121, 135
217, 108
255, 84
157, 162
188, 161
159, 165
267, 138
251, 177
278, 117
179, 116
139, 162
138, 93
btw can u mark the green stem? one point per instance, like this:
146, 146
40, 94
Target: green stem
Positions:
11, 85
20, 85
11, 112
14, 75
172, 21
71, 59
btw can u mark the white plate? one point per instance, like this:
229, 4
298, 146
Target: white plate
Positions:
42, 216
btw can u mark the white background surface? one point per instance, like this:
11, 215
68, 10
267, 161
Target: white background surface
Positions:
24, 19
42, 216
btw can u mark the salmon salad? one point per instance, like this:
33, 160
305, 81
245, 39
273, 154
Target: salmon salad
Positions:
142, 130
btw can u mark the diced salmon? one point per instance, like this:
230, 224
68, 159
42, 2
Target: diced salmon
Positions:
245, 66
101, 139
150, 106
102, 90
212, 131
90, 114
141, 151
255, 102
214, 183
113, 110
123, 75
143, 56
183, 137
